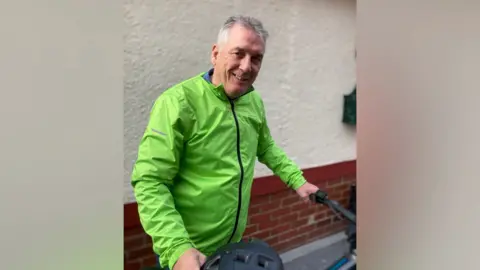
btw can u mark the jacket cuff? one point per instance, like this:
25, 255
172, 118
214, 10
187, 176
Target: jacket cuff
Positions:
298, 183
179, 250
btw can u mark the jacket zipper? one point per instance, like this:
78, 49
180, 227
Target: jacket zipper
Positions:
241, 172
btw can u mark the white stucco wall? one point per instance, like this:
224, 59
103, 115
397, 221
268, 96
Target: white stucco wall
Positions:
308, 67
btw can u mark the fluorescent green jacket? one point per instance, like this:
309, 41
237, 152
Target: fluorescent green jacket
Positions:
194, 172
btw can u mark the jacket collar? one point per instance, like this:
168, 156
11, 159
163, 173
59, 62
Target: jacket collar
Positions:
219, 91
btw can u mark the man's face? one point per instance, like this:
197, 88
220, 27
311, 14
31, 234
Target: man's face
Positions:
237, 62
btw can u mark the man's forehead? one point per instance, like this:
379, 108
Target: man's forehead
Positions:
247, 42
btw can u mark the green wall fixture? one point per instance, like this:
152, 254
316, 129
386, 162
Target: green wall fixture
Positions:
350, 108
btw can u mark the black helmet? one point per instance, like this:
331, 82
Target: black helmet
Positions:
251, 255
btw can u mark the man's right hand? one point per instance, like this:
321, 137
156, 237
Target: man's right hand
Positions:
191, 259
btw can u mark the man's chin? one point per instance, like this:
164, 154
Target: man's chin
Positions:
236, 92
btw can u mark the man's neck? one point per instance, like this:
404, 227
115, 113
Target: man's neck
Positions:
215, 79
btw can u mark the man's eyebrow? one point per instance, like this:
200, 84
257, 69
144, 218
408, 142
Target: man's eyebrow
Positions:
237, 49
244, 50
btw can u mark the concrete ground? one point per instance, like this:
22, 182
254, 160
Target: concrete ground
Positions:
316, 256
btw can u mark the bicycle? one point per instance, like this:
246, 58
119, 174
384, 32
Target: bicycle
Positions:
349, 260
257, 254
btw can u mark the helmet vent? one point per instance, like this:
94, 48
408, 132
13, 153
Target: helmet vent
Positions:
264, 261
242, 256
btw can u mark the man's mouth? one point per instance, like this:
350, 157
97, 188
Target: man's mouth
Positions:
241, 78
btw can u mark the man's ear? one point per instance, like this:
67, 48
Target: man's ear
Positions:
214, 55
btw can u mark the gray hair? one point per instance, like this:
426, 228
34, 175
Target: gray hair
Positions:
246, 21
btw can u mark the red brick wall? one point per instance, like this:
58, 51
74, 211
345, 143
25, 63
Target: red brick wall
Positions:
286, 222
276, 214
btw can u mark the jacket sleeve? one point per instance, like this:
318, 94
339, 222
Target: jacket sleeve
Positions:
153, 174
275, 158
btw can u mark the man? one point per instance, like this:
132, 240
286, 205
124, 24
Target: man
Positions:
195, 166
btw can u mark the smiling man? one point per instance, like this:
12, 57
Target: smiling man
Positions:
195, 166
237, 56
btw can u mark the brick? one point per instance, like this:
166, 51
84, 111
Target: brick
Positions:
294, 206
140, 253
279, 213
301, 221
282, 234
132, 266
134, 242
299, 239
305, 212
280, 228
335, 196
334, 228
149, 261
268, 207
260, 234
291, 217
322, 185
323, 223
267, 225
252, 210
339, 187
260, 200
346, 193
259, 218
343, 222
288, 201
306, 228
348, 180
317, 232
251, 228
134, 231
334, 183
279, 247
344, 202
343, 190
271, 240
321, 212
278, 197
319, 216
282, 237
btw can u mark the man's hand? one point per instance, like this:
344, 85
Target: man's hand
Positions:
191, 259
305, 190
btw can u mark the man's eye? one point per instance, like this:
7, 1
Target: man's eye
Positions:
257, 59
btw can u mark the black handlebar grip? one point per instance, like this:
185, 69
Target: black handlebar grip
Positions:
319, 197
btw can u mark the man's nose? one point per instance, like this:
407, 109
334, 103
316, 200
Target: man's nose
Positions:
246, 64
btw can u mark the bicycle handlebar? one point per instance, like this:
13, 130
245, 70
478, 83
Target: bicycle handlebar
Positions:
321, 197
